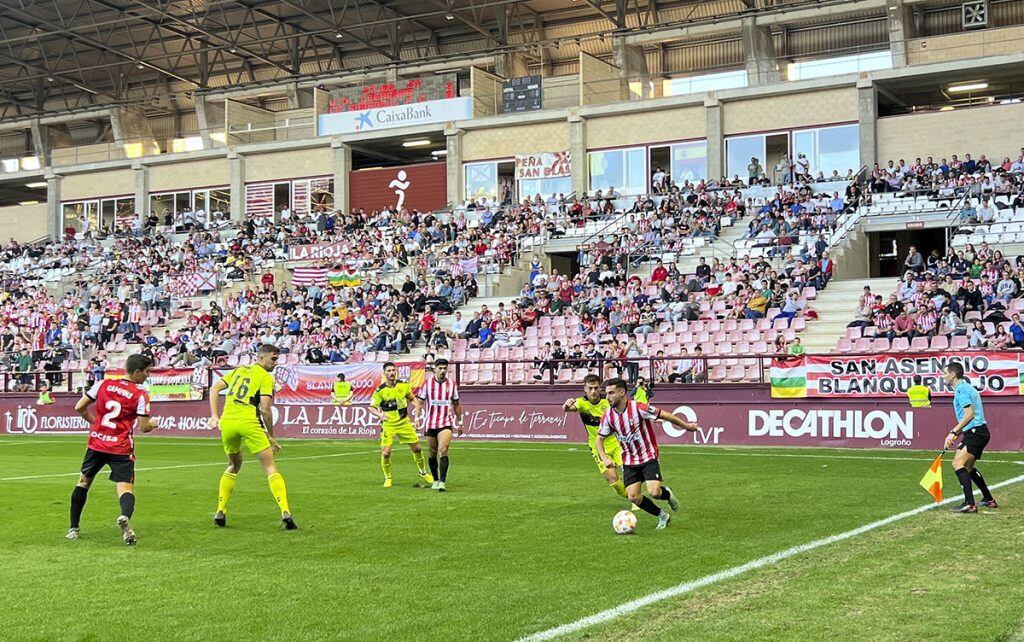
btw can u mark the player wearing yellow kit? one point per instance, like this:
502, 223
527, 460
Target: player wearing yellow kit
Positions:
341, 392
248, 419
590, 407
390, 404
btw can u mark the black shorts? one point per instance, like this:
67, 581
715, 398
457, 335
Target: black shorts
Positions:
434, 432
975, 440
648, 471
122, 467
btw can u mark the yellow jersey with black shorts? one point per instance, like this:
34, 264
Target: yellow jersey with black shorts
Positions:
591, 414
240, 422
393, 401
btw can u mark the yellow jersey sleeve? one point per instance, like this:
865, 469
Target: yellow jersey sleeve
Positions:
266, 388
377, 398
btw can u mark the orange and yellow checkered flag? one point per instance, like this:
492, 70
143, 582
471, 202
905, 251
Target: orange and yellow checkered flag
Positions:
932, 480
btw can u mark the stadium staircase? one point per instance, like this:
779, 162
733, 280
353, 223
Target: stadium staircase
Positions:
836, 306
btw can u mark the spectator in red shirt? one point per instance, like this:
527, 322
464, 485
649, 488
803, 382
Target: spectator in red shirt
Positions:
267, 280
660, 274
428, 322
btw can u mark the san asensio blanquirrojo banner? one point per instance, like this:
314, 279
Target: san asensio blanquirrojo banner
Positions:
887, 375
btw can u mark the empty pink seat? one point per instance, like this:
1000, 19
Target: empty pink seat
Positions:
959, 342
862, 345
900, 344
940, 342
736, 373
718, 373
845, 345
918, 343
879, 345
854, 333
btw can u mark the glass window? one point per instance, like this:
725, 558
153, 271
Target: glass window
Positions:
739, 151
689, 162
706, 82
481, 180
220, 201
622, 169
840, 65
545, 187
182, 201
830, 149
161, 204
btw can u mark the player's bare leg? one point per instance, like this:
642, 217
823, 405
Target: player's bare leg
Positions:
432, 448
660, 491
227, 485
78, 497
277, 487
385, 464
127, 500
444, 439
635, 493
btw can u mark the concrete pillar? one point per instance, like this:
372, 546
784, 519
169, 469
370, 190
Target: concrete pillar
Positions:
54, 213
204, 121
511, 65
759, 49
453, 144
715, 140
130, 124
141, 188
342, 168
47, 137
901, 27
632, 64
578, 152
236, 166
867, 116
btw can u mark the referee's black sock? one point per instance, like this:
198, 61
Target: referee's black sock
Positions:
979, 481
128, 504
78, 497
965, 480
432, 462
444, 467
649, 506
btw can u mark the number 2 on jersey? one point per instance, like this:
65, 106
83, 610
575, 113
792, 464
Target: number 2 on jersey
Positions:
113, 410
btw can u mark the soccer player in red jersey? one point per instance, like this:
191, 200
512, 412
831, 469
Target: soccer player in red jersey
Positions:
119, 403
437, 401
630, 422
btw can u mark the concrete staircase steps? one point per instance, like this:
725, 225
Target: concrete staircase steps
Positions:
836, 306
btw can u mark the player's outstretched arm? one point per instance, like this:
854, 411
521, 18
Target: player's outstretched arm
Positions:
267, 412
570, 405
215, 391
84, 410
692, 426
148, 424
599, 446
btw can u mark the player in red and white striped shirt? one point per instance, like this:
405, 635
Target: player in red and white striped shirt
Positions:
631, 423
437, 401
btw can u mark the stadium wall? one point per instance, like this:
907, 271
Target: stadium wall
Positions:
97, 184
639, 128
506, 142
790, 111
23, 223
729, 415
166, 177
979, 130
315, 161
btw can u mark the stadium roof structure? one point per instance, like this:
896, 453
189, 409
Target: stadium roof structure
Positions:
61, 56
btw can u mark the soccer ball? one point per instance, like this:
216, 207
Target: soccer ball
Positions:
624, 522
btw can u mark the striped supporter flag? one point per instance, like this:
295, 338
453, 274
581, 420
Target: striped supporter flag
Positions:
789, 378
309, 276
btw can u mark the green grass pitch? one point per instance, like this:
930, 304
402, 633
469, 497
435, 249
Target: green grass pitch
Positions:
522, 542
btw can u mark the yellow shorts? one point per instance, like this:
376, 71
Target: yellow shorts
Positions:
405, 432
612, 449
233, 434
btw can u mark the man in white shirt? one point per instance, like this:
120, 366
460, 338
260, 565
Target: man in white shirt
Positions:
459, 324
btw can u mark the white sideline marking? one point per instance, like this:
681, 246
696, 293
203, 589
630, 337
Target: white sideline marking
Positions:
211, 463
720, 451
729, 573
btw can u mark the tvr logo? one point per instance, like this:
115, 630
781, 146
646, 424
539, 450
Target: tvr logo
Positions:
708, 435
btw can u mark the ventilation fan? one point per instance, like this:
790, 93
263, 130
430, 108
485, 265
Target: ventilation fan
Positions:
975, 14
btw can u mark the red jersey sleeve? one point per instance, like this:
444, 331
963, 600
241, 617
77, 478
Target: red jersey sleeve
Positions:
646, 411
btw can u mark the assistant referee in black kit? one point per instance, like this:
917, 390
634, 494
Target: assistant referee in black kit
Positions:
971, 425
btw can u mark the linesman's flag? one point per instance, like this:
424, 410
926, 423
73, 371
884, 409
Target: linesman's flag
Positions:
932, 480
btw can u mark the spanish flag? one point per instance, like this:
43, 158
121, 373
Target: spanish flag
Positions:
932, 480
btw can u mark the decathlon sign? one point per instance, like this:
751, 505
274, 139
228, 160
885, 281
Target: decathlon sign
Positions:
879, 425
425, 113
